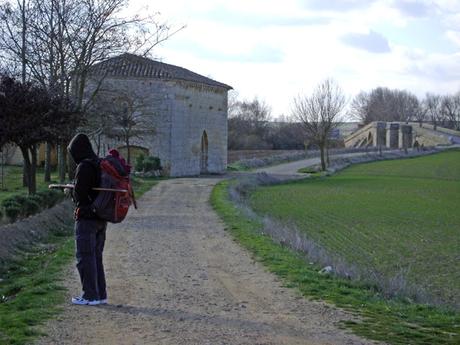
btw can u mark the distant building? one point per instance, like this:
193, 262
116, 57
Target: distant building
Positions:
185, 113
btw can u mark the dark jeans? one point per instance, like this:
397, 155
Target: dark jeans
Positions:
90, 239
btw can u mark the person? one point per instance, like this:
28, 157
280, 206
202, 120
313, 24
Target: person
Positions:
89, 230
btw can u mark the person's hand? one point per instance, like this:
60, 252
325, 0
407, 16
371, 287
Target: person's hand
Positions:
68, 191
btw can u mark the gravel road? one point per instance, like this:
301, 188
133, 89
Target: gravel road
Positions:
175, 276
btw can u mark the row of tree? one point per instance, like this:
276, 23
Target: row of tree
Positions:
48, 47
314, 117
384, 104
29, 116
252, 127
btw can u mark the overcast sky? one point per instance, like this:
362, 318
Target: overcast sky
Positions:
276, 49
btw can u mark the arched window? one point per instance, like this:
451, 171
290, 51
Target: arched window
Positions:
204, 153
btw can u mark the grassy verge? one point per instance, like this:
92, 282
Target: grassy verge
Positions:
237, 167
392, 321
31, 292
143, 185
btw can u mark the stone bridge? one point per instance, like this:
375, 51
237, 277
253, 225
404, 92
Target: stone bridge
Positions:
401, 135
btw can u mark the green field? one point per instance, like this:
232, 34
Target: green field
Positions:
392, 217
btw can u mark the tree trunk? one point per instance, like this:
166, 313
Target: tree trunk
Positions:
65, 156
30, 164
47, 177
26, 165
61, 164
23, 43
128, 151
25, 173
71, 166
33, 170
98, 145
323, 160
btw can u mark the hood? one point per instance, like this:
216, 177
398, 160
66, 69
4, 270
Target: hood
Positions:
80, 148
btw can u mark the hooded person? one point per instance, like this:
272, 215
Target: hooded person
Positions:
89, 229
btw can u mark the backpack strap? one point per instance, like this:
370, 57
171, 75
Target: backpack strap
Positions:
95, 163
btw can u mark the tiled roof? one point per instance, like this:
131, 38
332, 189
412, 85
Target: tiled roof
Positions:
130, 65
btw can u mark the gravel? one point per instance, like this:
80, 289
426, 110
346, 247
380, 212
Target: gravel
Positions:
175, 276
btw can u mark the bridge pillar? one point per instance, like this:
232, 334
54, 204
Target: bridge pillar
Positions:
381, 134
405, 136
393, 136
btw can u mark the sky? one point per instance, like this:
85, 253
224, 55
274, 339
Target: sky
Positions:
276, 50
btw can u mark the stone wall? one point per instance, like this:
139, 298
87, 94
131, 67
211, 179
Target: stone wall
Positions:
178, 114
156, 106
12, 155
196, 110
398, 135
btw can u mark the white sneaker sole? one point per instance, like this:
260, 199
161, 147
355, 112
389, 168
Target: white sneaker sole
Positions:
78, 301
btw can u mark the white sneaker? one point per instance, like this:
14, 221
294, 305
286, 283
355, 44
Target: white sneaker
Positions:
81, 301
103, 301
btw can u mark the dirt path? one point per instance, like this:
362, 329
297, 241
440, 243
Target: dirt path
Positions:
176, 277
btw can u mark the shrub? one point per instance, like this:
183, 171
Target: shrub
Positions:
12, 209
11, 201
152, 164
49, 198
26, 205
29, 207
139, 164
147, 164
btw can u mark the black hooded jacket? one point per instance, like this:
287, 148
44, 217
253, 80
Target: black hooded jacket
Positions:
87, 175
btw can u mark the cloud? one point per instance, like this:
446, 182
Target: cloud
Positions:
438, 68
275, 50
337, 5
372, 42
259, 53
454, 36
231, 17
413, 8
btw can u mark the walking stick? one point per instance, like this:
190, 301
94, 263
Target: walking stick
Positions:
71, 186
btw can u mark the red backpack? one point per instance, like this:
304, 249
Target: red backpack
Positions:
110, 205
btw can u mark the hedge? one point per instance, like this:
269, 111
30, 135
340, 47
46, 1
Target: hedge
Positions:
21, 206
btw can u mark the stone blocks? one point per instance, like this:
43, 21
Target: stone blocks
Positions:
178, 113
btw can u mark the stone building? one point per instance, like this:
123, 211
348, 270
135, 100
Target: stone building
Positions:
183, 115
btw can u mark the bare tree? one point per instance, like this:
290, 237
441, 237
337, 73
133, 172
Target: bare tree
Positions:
432, 105
450, 110
383, 104
57, 41
248, 124
359, 108
119, 115
232, 103
420, 114
320, 113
